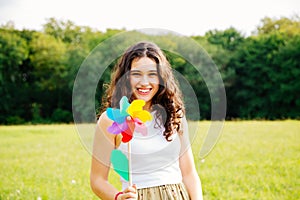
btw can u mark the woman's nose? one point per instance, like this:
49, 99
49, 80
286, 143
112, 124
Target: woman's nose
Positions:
144, 80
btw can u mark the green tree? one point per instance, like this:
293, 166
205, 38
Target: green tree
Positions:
48, 56
283, 25
265, 70
259, 76
286, 99
229, 39
13, 52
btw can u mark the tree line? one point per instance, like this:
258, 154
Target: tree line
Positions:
260, 72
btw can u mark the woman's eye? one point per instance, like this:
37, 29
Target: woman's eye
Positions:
153, 74
135, 74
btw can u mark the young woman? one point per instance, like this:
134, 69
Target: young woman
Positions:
162, 162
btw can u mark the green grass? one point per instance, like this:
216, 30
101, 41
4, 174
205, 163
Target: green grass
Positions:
252, 160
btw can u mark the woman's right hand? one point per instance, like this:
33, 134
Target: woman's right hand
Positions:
129, 193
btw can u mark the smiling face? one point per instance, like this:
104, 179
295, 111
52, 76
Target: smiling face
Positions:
144, 79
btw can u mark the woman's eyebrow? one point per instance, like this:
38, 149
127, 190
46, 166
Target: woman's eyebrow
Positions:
136, 70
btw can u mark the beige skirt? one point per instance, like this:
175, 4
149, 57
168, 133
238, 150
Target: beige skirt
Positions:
164, 192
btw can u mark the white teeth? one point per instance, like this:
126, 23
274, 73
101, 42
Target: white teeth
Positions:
144, 90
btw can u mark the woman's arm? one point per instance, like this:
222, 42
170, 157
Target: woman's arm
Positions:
102, 147
104, 143
187, 166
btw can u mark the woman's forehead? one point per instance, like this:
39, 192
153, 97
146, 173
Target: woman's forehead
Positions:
143, 64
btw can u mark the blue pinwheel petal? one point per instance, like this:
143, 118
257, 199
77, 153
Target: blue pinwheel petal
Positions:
124, 104
116, 115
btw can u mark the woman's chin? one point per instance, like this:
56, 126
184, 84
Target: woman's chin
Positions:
146, 98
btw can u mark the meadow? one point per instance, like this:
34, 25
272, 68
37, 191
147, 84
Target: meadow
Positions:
252, 160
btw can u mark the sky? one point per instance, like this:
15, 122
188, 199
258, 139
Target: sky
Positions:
186, 17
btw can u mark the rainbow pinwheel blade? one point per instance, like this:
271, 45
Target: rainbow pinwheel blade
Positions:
140, 127
142, 115
124, 104
116, 128
128, 133
136, 105
116, 115
135, 110
120, 163
126, 137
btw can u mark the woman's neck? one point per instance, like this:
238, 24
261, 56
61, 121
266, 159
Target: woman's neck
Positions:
148, 106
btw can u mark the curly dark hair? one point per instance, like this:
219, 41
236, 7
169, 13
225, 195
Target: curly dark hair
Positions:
168, 99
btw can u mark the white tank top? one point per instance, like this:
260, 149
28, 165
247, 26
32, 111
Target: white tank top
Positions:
154, 160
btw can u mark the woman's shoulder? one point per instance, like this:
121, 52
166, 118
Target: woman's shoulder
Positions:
184, 131
103, 120
103, 123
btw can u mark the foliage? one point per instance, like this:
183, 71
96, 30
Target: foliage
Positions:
260, 71
283, 25
13, 54
265, 78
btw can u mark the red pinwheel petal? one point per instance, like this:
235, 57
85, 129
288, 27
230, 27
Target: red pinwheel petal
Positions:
128, 133
126, 137
131, 124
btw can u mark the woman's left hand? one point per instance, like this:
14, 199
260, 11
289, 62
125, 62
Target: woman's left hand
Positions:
129, 193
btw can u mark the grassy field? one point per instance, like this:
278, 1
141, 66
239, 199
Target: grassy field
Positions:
252, 160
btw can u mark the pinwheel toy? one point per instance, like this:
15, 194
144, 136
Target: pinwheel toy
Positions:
128, 119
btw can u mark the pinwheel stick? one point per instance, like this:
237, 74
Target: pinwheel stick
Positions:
129, 164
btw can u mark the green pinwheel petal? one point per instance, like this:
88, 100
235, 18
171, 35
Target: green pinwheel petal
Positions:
120, 163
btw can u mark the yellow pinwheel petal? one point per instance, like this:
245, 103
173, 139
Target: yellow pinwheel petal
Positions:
136, 105
135, 110
142, 115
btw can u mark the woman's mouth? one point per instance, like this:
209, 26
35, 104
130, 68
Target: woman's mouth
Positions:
144, 91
